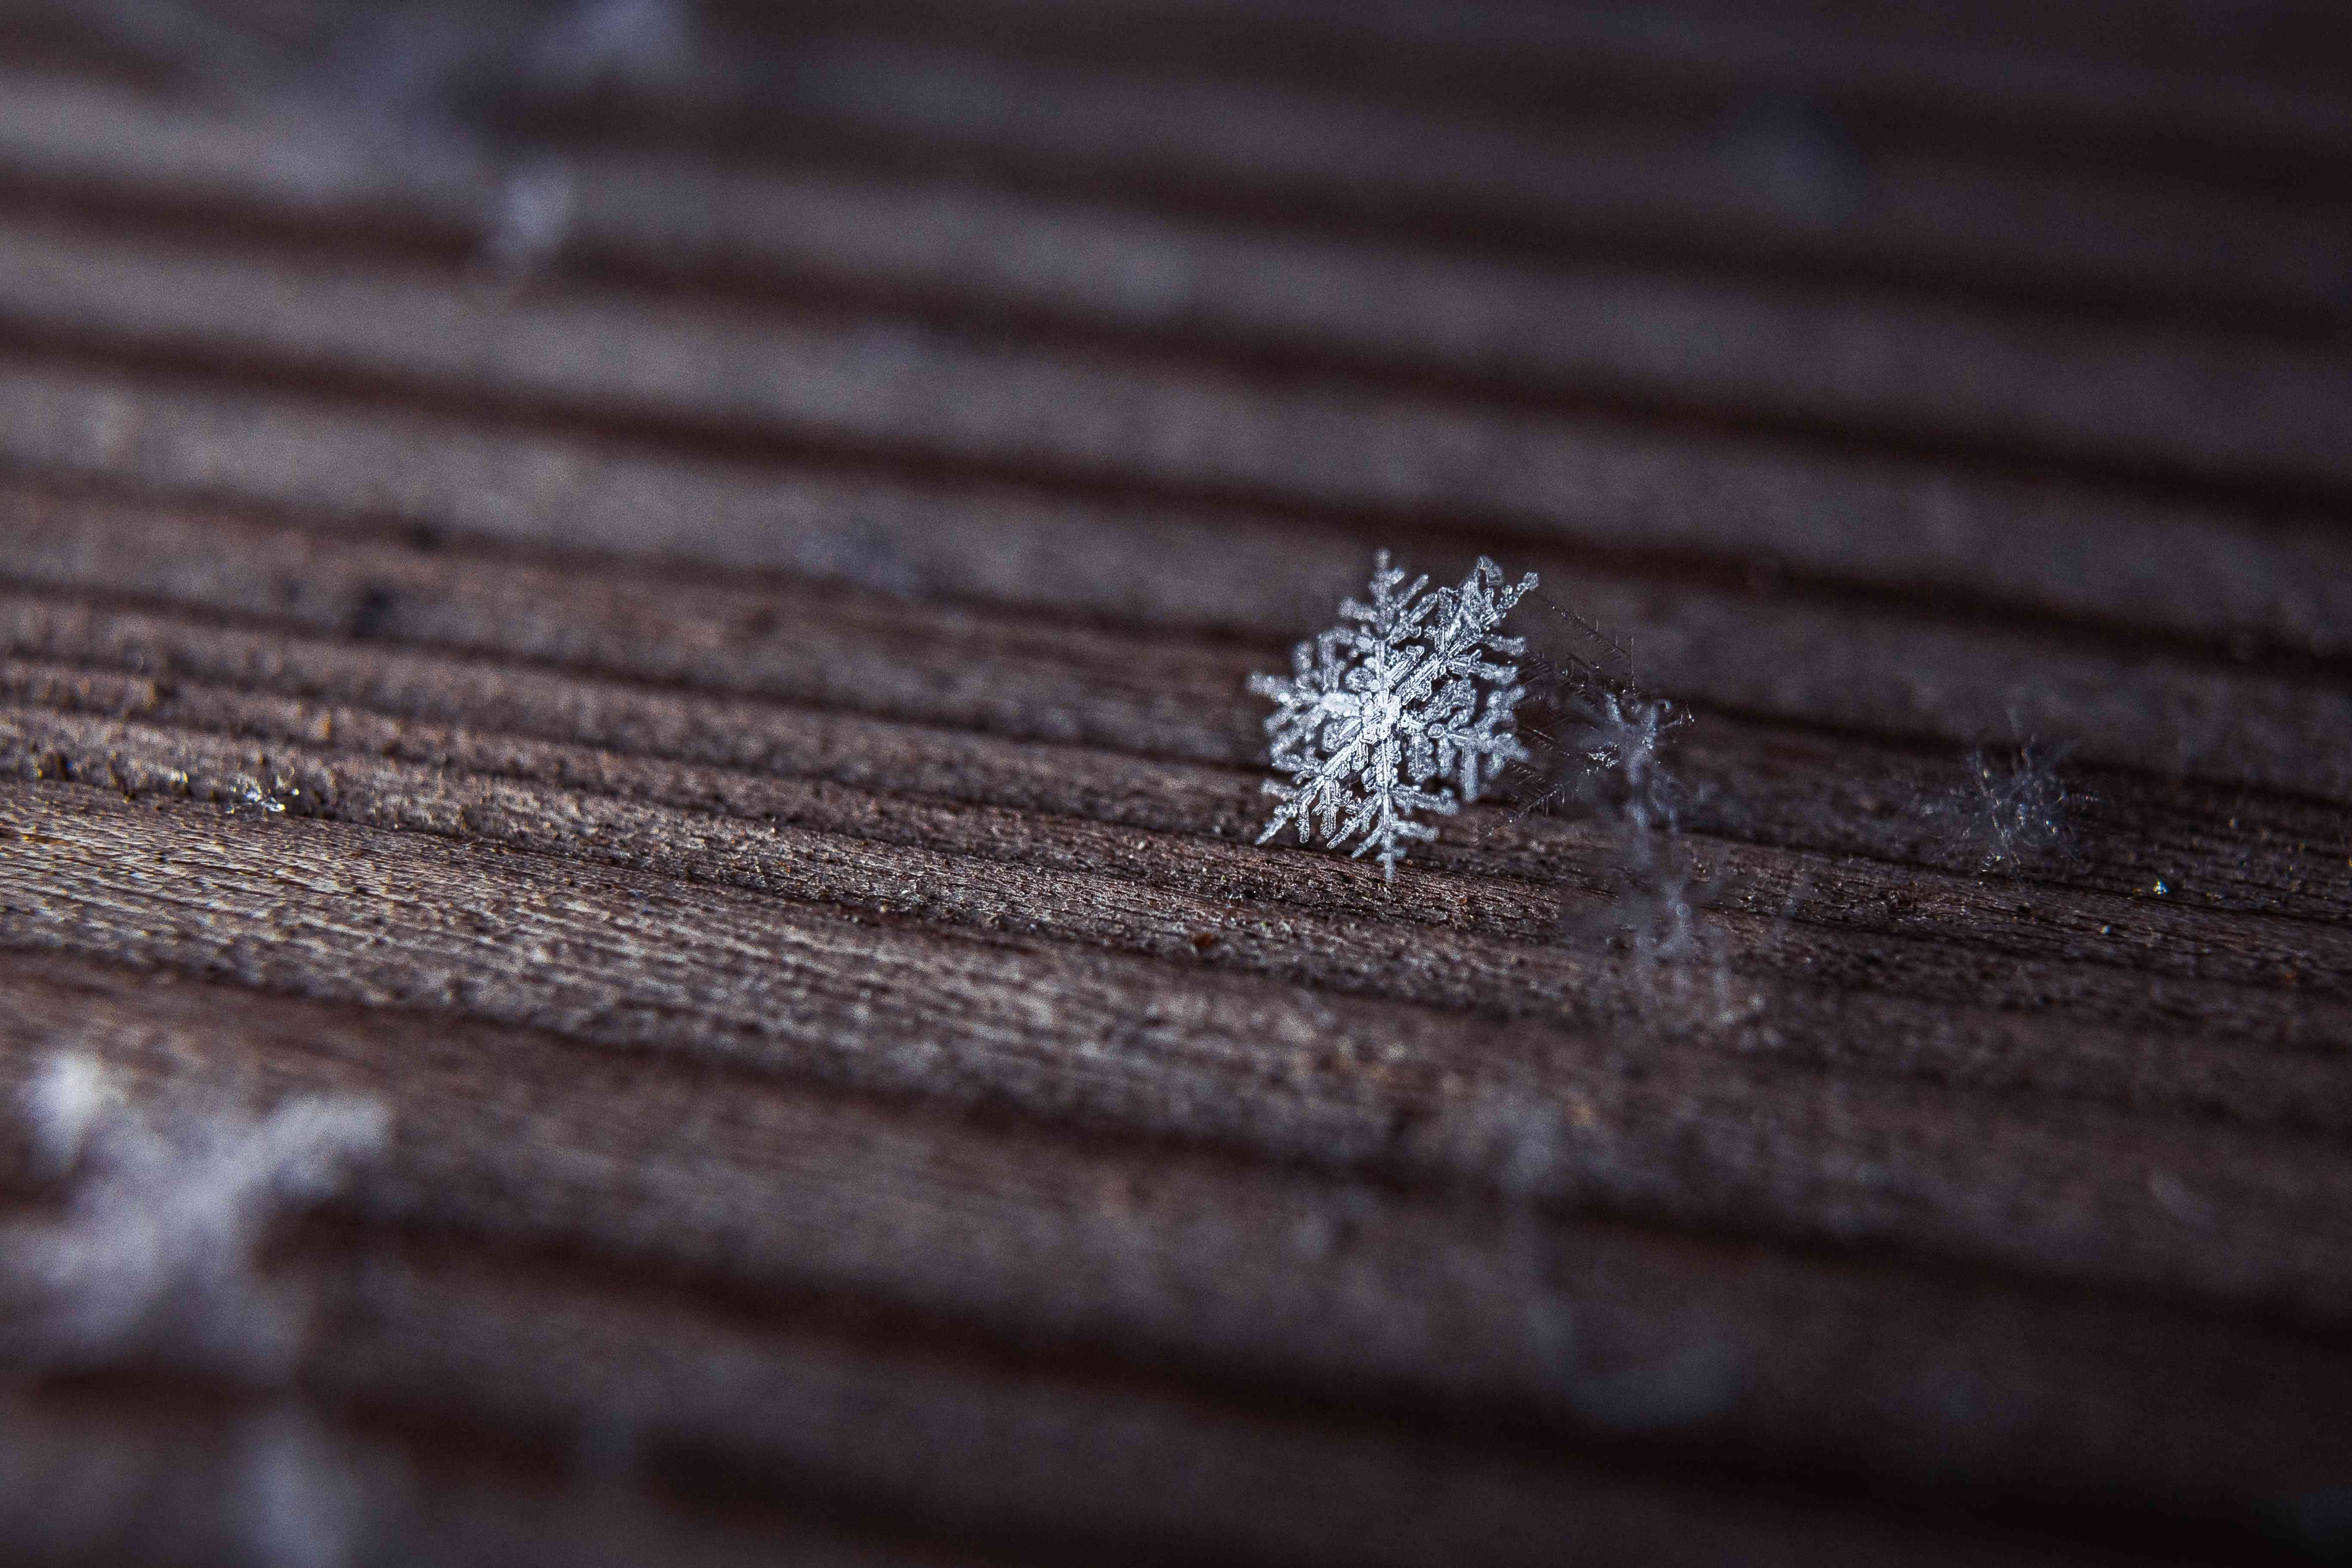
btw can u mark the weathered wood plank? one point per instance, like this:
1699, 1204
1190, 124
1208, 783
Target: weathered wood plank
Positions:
1059, 1470
2239, 410
722, 714
1230, 1275
1873, 670
1497, 948
2024, 82
1645, 1123
1669, 186
200, 1476
1666, 505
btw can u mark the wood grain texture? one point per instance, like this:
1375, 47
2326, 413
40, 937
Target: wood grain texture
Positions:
732, 731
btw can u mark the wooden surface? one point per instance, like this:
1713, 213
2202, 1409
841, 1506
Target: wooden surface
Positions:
725, 718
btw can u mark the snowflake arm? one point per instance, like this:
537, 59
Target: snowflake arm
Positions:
1386, 705
1474, 754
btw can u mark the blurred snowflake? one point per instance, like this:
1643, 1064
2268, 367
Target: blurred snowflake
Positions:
2013, 809
1598, 736
1597, 753
155, 1248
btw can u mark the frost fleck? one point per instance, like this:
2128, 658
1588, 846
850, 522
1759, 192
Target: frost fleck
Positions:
247, 790
530, 220
1385, 705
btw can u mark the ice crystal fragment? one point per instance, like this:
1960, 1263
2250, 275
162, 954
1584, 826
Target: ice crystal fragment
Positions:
1394, 710
2013, 809
1598, 735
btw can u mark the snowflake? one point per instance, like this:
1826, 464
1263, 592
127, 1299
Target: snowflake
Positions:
2012, 811
1379, 708
155, 1246
1600, 738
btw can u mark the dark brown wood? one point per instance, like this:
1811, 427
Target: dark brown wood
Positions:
734, 737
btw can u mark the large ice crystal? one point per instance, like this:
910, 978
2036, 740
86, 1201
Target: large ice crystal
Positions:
1382, 716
